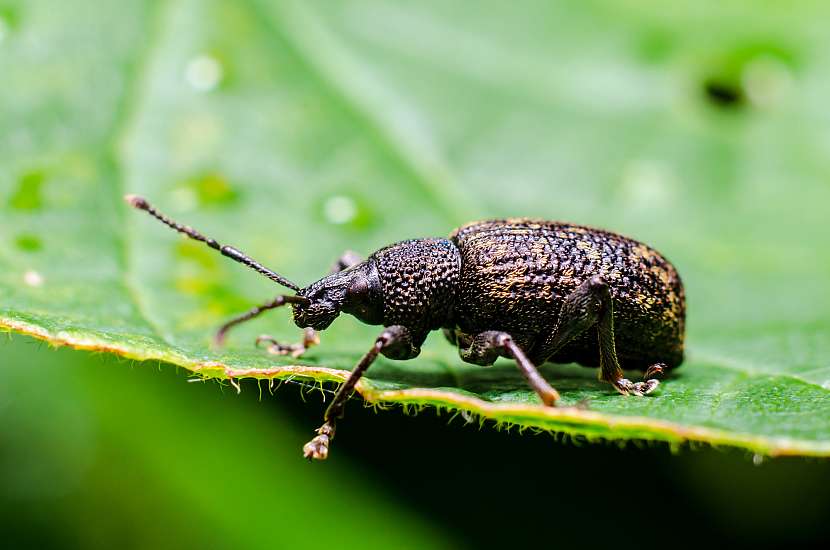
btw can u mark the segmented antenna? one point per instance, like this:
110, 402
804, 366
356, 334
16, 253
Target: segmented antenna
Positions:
229, 251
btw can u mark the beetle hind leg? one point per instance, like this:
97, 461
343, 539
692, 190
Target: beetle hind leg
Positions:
591, 305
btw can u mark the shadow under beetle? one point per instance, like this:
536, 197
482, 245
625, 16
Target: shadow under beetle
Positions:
530, 290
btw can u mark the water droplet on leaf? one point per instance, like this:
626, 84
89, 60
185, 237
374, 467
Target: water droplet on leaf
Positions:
339, 209
766, 81
648, 184
33, 278
203, 73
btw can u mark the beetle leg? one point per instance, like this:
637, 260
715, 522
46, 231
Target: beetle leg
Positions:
459, 339
396, 342
279, 301
648, 385
591, 304
657, 369
345, 261
489, 345
310, 338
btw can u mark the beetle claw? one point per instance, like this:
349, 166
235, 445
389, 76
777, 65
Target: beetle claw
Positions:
655, 370
647, 386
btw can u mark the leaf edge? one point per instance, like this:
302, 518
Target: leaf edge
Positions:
574, 423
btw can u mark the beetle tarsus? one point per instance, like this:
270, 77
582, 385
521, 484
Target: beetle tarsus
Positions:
310, 338
395, 339
318, 447
639, 389
648, 385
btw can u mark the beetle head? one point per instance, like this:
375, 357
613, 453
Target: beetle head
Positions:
355, 290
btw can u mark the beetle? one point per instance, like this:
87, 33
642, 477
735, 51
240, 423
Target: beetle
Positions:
530, 290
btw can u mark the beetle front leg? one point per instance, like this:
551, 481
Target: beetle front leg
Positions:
487, 346
254, 312
395, 342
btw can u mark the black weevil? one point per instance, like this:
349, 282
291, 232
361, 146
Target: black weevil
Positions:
530, 290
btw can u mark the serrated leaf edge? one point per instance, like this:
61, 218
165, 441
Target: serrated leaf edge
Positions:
572, 421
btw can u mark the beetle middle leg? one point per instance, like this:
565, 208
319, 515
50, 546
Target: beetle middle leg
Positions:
591, 305
487, 346
395, 342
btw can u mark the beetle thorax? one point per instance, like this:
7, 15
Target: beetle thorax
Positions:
419, 280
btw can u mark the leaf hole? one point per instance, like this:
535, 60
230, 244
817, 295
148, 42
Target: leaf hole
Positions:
758, 74
723, 94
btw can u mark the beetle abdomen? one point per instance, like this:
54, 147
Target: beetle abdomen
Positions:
515, 275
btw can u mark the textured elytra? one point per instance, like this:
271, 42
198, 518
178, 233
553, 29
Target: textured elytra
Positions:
517, 273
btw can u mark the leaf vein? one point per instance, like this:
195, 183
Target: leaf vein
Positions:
122, 129
329, 63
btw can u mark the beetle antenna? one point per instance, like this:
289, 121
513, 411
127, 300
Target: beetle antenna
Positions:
229, 251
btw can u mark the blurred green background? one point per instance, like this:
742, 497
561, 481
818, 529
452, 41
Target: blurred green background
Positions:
308, 127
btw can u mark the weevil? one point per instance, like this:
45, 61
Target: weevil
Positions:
529, 290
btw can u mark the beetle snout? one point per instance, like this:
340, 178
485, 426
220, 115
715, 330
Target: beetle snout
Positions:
317, 315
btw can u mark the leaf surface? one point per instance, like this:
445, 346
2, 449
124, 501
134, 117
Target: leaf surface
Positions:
295, 131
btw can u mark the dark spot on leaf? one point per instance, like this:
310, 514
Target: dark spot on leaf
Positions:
28, 242
27, 196
722, 93
726, 80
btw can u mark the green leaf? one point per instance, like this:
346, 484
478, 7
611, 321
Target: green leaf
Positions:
296, 130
